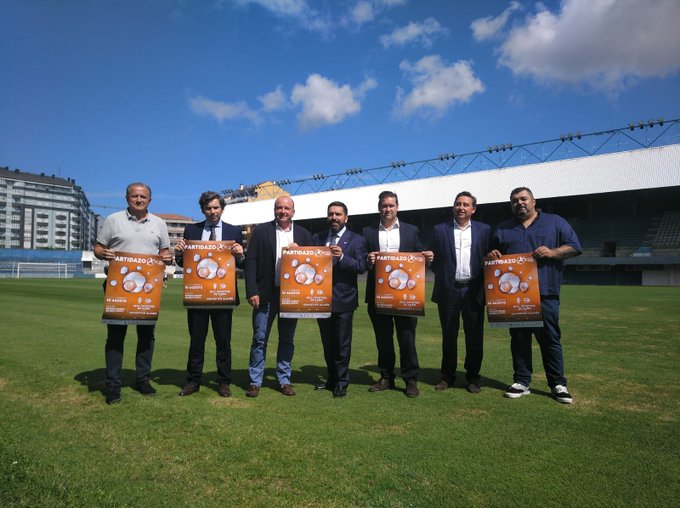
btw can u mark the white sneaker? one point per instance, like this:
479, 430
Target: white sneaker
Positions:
560, 394
517, 390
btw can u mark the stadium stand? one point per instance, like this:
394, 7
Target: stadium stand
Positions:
668, 233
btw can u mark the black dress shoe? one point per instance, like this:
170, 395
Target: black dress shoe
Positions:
340, 391
112, 394
323, 386
224, 390
145, 388
189, 389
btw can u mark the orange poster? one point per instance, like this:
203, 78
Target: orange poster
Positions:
400, 283
513, 298
306, 282
133, 289
209, 275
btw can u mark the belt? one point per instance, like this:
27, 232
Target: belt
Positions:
461, 284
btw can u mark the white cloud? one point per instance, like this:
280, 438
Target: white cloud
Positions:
273, 101
485, 28
324, 102
298, 10
366, 11
222, 111
603, 43
362, 13
414, 32
436, 86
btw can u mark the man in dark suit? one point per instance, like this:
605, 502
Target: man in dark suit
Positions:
349, 260
390, 235
263, 264
212, 228
459, 248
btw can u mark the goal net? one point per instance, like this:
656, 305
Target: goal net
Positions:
53, 270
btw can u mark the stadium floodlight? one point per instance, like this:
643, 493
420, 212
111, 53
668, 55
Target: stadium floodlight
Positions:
509, 146
650, 123
578, 134
318, 176
284, 182
641, 124
562, 138
631, 126
660, 120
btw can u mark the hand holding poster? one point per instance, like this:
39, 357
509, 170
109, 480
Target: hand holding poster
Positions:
306, 282
132, 295
400, 283
513, 298
209, 275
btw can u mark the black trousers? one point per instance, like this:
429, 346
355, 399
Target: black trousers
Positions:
384, 326
461, 303
113, 352
336, 337
198, 320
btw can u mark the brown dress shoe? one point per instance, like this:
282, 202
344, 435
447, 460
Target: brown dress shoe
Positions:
287, 390
412, 388
224, 390
382, 384
189, 389
473, 386
253, 391
442, 385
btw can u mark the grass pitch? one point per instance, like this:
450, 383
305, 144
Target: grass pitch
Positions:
61, 445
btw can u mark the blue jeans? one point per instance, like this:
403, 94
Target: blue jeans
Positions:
548, 338
263, 319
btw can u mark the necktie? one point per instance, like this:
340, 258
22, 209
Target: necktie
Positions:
334, 239
212, 232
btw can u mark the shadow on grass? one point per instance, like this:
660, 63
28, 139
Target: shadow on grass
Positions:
94, 380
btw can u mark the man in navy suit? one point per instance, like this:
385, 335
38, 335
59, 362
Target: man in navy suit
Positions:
349, 260
212, 228
390, 235
263, 264
459, 248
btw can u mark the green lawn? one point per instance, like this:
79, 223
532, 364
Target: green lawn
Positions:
61, 445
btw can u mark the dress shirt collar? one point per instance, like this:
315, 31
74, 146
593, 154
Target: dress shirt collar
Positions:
381, 227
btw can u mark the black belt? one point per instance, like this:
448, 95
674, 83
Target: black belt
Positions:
461, 284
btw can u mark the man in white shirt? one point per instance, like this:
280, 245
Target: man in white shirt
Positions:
459, 248
389, 235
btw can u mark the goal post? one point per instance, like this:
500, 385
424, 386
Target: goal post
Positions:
51, 270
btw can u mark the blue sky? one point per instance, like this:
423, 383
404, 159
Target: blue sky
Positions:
206, 95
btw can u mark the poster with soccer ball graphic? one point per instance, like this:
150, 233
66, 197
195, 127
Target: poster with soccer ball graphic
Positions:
209, 275
306, 282
400, 283
513, 298
132, 294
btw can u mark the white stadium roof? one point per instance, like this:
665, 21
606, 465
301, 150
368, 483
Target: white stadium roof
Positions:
646, 168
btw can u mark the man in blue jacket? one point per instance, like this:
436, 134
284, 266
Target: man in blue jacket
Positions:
459, 248
263, 266
551, 240
349, 260
390, 235
212, 228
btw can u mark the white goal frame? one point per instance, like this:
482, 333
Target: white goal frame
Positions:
27, 269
